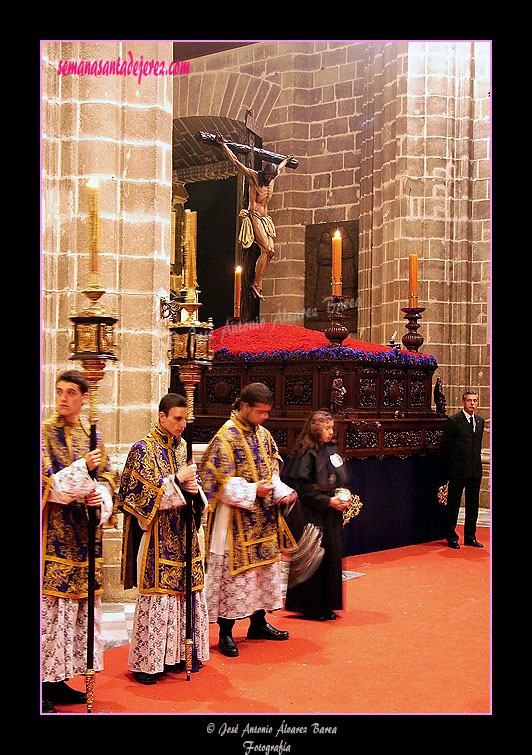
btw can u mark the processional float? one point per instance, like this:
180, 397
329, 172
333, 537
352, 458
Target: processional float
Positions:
93, 345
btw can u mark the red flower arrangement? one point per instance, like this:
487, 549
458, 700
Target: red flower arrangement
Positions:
255, 338
271, 338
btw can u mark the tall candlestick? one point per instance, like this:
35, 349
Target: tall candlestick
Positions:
191, 276
337, 264
412, 281
238, 277
94, 226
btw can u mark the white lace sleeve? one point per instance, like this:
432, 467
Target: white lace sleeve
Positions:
172, 497
238, 492
71, 483
280, 489
106, 509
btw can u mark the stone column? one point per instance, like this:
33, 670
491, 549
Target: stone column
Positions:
445, 170
118, 129
425, 191
382, 247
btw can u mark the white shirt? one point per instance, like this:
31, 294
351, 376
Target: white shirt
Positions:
468, 416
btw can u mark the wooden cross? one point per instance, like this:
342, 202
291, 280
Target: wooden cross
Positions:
249, 303
246, 149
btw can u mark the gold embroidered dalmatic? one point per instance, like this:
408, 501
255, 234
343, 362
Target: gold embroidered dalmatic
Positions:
65, 527
156, 456
241, 450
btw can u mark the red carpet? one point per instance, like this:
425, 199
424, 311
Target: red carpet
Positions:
413, 638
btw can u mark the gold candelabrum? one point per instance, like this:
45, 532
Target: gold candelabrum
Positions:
190, 351
182, 308
93, 345
190, 340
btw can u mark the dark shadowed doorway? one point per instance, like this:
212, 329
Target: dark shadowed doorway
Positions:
216, 203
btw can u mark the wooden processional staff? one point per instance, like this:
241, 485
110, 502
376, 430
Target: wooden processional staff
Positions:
92, 345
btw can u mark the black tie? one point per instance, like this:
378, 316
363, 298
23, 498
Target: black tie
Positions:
472, 424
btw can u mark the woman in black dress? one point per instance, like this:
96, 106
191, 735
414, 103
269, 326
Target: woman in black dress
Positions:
315, 472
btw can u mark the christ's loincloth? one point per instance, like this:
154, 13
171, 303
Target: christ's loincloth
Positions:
246, 236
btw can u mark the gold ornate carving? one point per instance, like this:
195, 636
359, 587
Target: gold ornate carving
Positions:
106, 338
188, 655
179, 345
202, 346
87, 337
89, 686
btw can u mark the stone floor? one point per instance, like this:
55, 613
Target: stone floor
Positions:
118, 617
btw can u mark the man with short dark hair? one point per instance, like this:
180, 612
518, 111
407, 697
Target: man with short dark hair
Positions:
68, 488
245, 529
462, 466
155, 482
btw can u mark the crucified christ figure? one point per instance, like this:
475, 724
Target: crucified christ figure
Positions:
257, 225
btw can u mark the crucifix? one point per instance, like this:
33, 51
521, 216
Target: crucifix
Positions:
257, 232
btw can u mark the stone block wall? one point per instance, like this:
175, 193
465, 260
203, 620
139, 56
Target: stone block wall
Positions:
119, 130
396, 135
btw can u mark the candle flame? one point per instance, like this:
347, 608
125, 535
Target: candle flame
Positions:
238, 269
93, 183
337, 235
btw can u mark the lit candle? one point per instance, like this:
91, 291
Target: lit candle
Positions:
93, 186
337, 264
412, 284
238, 276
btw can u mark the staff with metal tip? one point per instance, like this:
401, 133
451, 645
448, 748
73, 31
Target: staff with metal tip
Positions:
93, 346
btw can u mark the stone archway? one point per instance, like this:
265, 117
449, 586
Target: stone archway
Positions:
224, 93
214, 101
193, 160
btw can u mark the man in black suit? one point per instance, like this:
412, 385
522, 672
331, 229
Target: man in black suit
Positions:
462, 467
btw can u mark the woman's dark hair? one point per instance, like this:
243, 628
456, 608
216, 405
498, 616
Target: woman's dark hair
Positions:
309, 437
76, 377
170, 400
254, 393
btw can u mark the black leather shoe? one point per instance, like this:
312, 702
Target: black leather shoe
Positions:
315, 617
143, 678
227, 646
176, 667
453, 544
332, 616
48, 707
474, 542
266, 632
60, 692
